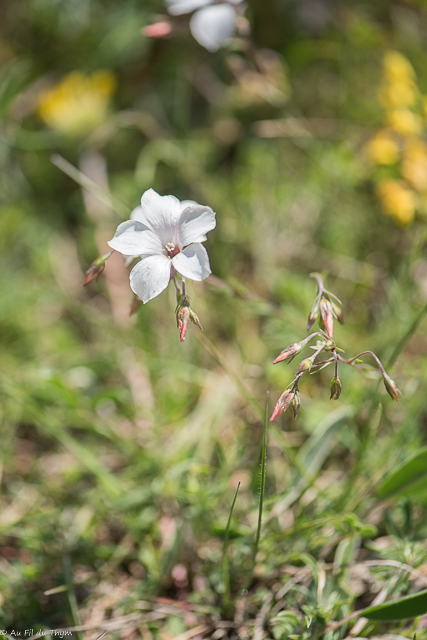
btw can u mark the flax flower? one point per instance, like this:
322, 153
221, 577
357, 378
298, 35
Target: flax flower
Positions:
166, 234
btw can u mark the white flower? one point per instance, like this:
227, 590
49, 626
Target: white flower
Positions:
212, 26
164, 232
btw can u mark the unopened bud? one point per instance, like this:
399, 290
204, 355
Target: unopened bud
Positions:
282, 404
391, 387
336, 388
327, 316
312, 319
337, 313
195, 318
296, 402
96, 269
290, 352
157, 30
305, 366
183, 317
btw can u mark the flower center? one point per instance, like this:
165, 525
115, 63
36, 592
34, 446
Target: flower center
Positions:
171, 250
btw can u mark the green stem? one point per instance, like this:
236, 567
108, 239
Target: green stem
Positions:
225, 572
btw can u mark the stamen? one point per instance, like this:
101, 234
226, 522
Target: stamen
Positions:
171, 249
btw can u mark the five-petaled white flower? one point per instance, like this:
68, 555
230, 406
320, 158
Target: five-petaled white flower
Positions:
164, 232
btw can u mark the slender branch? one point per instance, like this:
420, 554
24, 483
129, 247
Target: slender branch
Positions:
371, 353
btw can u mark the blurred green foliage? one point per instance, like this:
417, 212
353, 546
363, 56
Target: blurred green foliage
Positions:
122, 448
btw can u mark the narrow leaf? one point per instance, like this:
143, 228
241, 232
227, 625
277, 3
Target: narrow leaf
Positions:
408, 607
410, 477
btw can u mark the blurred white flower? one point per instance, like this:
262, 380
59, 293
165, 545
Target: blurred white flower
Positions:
212, 24
164, 232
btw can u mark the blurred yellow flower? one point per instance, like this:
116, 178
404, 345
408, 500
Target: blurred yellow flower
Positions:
79, 103
397, 68
405, 121
414, 164
397, 201
397, 94
383, 148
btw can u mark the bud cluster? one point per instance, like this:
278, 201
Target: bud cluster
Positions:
324, 309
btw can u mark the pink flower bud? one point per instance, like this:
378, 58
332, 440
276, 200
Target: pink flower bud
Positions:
96, 269
282, 404
391, 387
327, 316
312, 319
290, 352
183, 320
157, 30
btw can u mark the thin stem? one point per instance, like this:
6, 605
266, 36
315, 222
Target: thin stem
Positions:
371, 353
173, 273
336, 363
183, 286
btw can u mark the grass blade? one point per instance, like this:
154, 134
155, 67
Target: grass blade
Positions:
263, 476
407, 607
410, 477
225, 572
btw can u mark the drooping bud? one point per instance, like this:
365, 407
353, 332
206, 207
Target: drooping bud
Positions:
290, 352
337, 313
312, 319
336, 388
391, 387
296, 403
183, 317
327, 316
282, 404
96, 268
195, 318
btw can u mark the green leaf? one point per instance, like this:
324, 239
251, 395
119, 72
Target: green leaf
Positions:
410, 477
401, 609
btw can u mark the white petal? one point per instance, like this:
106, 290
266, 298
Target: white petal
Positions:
193, 262
186, 203
133, 238
178, 7
194, 222
150, 276
137, 214
160, 213
213, 26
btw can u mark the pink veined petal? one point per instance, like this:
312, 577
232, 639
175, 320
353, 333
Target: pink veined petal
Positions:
133, 238
194, 222
161, 214
150, 276
193, 262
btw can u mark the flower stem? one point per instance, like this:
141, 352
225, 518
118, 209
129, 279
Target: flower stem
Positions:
173, 273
